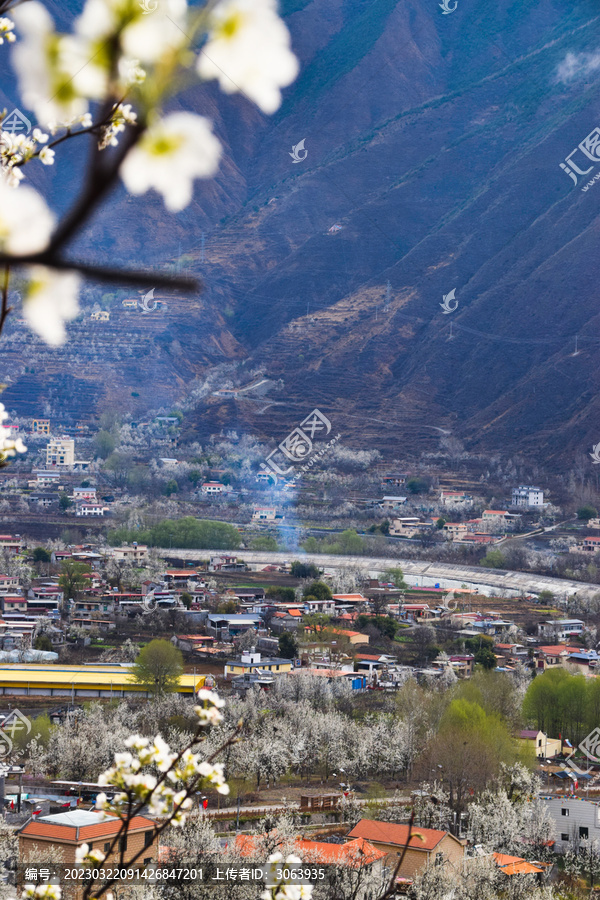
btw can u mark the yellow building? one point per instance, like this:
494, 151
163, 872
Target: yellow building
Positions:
79, 681
40, 426
252, 662
101, 315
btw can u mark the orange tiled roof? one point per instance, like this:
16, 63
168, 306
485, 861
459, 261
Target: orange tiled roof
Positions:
554, 649
355, 853
515, 865
70, 834
390, 833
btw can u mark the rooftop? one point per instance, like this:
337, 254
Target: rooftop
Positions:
390, 833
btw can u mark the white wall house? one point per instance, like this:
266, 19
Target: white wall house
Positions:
576, 821
60, 452
528, 496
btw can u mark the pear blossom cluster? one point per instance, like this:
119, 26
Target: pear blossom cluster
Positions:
41, 892
8, 446
16, 149
283, 890
7, 30
179, 773
208, 714
122, 116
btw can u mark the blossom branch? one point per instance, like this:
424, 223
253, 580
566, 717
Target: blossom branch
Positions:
5, 307
135, 808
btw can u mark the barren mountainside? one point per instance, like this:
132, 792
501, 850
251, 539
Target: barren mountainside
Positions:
433, 149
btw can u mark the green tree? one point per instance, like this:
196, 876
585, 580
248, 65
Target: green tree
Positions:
104, 444
546, 597
195, 476
395, 577
417, 485
158, 667
64, 501
469, 748
288, 645
384, 624
72, 578
42, 642
304, 570
40, 554
171, 487
316, 622
493, 560
318, 590
263, 542
187, 599
486, 658
283, 594
440, 523
587, 512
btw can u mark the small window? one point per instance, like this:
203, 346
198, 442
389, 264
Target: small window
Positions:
584, 833
148, 838
107, 847
148, 860
564, 837
564, 812
123, 844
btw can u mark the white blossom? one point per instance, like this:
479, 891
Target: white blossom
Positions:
145, 38
47, 65
51, 300
26, 223
248, 50
170, 155
7, 30
8, 446
47, 156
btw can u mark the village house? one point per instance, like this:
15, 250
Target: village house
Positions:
584, 661
354, 637
285, 621
561, 629
46, 478
544, 746
587, 545
213, 487
88, 508
498, 520
225, 626
100, 315
390, 503
429, 846
253, 661
57, 837
226, 564
135, 553
408, 526
575, 819
40, 426
551, 656
396, 481
527, 496
313, 605
455, 499
264, 514
60, 452
454, 530
84, 493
